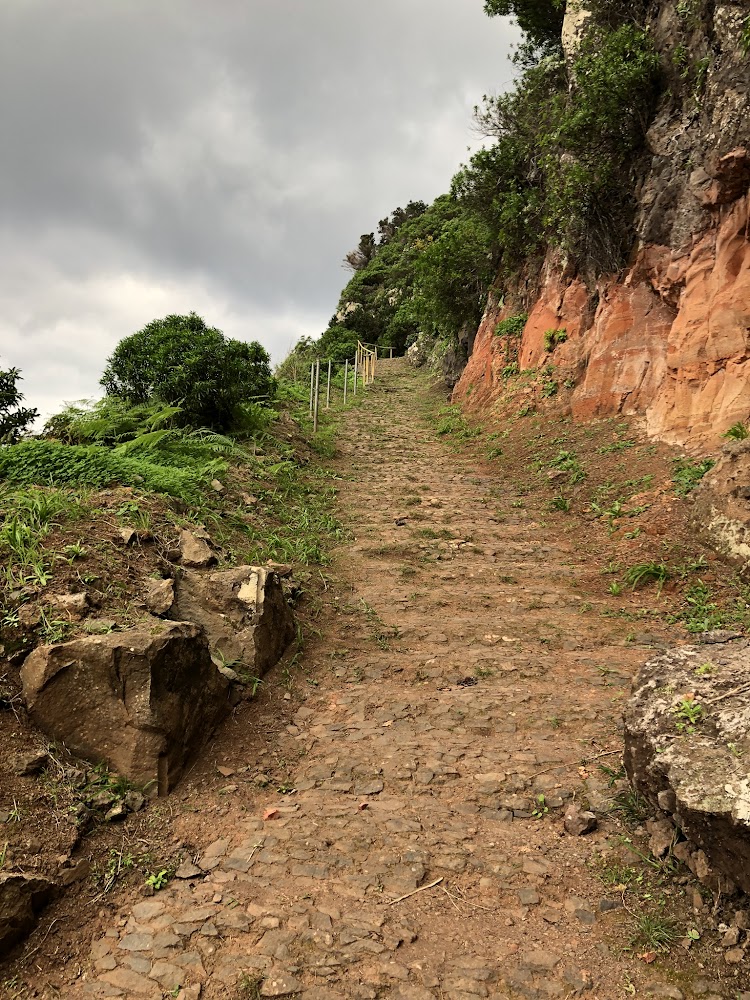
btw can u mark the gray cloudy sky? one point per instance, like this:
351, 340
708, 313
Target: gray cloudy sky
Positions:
218, 155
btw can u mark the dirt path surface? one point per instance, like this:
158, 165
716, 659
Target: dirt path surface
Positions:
459, 700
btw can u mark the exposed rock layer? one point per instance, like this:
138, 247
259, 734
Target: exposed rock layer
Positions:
668, 339
670, 342
697, 770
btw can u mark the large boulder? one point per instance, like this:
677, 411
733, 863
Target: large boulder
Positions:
21, 899
142, 701
243, 611
687, 748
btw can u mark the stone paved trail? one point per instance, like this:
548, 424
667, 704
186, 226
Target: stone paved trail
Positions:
465, 679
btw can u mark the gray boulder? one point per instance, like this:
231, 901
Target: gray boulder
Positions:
687, 750
143, 700
21, 899
243, 611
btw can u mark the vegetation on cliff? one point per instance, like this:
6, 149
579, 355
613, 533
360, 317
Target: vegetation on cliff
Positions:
558, 172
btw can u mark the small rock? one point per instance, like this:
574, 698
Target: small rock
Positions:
128, 535
158, 596
732, 937
667, 800
134, 801
607, 905
217, 486
734, 956
665, 990
76, 874
188, 870
580, 909
100, 626
577, 821
31, 763
195, 550
280, 984
662, 835
539, 961
528, 897
190, 992
74, 604
117, 812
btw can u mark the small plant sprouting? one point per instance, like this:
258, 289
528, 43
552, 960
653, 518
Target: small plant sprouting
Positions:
688, 712
686, 474
615, 588
560, 503
612, 774
633, 805
540, 807
642, 573
158, 880
704, 670
655, 932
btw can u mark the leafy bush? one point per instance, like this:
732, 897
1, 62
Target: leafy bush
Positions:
554, 337
512, 326
560, 171
540, 20
109, 421
737, 432
686, 474
14, 418
180, 361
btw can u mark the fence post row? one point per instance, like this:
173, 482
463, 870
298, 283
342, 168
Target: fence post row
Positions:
364, 367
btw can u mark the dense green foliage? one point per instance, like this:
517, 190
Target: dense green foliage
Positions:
540, 20
180, 361
56, 464
14, 418
559, 173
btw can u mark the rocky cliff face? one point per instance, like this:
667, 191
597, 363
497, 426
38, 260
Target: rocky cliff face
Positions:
667, 340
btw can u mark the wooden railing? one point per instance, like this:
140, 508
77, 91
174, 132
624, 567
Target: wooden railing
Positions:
362, 370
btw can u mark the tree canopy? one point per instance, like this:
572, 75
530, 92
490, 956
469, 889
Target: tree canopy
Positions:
540, 20
14, 418
182, 361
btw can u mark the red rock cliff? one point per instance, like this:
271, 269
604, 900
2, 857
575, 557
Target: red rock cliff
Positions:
669, 341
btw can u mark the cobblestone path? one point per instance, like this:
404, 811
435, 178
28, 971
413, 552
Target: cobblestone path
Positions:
422, 855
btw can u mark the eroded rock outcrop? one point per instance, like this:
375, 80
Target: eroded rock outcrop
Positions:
143, 700
243, 612
669, 342
21, 899
687, 750
722, 504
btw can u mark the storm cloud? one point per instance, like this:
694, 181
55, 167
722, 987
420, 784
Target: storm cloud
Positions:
166, 155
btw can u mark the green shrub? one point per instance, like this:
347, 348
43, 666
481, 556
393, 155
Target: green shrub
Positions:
512, 326
554, 337
737, 432
686, 474
180, 361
